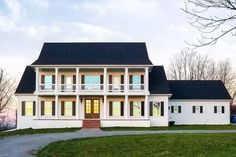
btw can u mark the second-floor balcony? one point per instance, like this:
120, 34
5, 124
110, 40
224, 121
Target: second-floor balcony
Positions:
86, 80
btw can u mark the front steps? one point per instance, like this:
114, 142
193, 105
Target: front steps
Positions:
91, 123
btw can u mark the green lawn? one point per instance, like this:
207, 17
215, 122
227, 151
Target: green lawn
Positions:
36, 131
161, 145
176, 127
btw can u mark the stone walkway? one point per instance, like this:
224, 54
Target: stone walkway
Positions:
26, 145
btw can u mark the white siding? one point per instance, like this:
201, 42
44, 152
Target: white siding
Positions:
208, 116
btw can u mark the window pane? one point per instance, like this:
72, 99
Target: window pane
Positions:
69, 82
137, 109
219, 109
156, 109
28, 108
68, 108
136, 82
48, 81
116, 107
88, 106
92, 82
48, 108
96, 106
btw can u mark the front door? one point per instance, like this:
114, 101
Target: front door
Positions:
92, 108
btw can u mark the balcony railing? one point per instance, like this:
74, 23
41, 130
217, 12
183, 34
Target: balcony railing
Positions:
116, 87
47, 87
91, 87
136, 87
67, 87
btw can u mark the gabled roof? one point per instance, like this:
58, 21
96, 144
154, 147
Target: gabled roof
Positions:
100, 53
157, 81
196, 89
27, 82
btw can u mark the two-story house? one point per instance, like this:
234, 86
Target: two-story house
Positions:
111, 84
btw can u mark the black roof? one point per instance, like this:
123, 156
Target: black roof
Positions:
27, 82
196, 89
157, 81
117, 53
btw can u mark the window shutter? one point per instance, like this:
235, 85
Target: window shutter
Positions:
101, 81
131, 108
179, 107
82, 79
122, 79
122, 108
162, 108
42, 79
201, 109
42, 108
142, 108
142, 79
53, 79
223, 109
23, 108
151, 108
172, 109
110, 108
73, 108
74, 82
62, 108
34, 107
215, 109
62, 82
194, 110
53, 108
130, 82
110, 82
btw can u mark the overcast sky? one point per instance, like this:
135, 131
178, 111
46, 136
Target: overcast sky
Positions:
26, 24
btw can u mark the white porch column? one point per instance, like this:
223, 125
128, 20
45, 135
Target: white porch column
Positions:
126, 107
37, 79
56, 79
56, 107
146, 107
126, 80
146, 83
105, 107
77, 108
105, 80
77, 80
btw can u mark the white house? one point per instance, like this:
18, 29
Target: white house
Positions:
112, 84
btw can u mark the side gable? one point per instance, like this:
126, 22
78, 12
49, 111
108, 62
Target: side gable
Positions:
198, 89
27, 82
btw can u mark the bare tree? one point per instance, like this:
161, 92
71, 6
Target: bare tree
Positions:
189, 65
213, 18
7, 88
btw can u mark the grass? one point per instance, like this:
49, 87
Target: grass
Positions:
176, 127
36, 131
160, 145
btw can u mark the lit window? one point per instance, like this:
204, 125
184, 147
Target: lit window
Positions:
116, 108
68, 108
29, 108
156, 109
136, 109
88, 106
48, 108
96, 106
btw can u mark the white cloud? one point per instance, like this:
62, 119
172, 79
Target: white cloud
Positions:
41, 3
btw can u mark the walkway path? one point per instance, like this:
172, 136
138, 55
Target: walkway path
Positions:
26, 145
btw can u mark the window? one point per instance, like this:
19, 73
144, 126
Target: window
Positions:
197, 109
28, 108
116, 82
92, 82
156, 108
48, 82
116, 108
69, 82
219, 109
175, 109
136, 82
136, 108
48, 108
68, 108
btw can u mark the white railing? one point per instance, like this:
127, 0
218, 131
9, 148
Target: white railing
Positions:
116, 87
67, 87
47, 87
136, 87
91, 87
